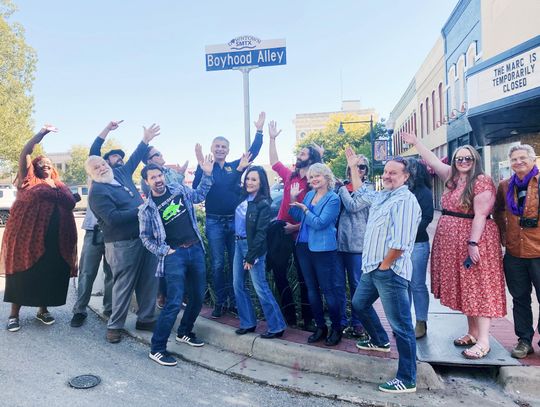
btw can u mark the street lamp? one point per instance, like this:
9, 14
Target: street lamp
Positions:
341, 130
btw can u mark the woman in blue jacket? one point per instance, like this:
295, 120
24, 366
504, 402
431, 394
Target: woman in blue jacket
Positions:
316, 248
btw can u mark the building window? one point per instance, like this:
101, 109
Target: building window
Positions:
414, 124
421, 120
440, 104
434, 118
427, 115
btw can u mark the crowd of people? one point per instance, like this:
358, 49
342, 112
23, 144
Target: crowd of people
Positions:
341, 235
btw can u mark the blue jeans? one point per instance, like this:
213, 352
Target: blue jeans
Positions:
184, 272
220, 235
394, 293
418, 289
319, 269
246, 312
349, 267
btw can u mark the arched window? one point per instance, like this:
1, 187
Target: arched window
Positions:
440, 103
427, 115
414, 124
421, 120
434, 118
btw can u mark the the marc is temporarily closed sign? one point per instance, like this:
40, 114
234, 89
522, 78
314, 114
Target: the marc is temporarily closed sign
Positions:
510, 77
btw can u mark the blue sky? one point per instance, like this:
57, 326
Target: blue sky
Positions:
144, 62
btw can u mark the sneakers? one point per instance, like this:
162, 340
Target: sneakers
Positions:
355, 332
217, 312
77, 320
366, 344
420, 329
191, 339
163, 358
13, 324
397, 386
521, 350
45, 317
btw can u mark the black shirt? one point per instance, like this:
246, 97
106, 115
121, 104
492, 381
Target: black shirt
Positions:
175, 219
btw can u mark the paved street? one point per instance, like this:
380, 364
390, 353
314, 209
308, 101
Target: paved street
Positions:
37, 362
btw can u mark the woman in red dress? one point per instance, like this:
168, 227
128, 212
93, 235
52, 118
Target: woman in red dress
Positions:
39, 247
466, 260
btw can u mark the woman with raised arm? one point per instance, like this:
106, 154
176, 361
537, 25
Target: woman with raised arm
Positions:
39, 248
466, 258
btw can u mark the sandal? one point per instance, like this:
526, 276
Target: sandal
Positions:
476, 352
465, 340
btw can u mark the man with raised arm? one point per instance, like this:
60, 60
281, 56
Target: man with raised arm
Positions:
114, 199
93, 250
221, 202
282, 234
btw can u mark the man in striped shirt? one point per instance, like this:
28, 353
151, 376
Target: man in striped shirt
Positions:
393, 221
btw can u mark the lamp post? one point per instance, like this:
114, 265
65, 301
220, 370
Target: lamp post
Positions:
341, 130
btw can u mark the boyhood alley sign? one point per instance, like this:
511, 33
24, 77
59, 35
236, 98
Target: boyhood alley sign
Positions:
245, 51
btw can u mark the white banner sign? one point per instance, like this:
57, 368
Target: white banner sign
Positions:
507, 78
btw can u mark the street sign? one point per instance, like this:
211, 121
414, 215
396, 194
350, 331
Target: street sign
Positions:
245, 51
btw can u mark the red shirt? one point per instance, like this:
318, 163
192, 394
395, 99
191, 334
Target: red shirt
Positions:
285, 174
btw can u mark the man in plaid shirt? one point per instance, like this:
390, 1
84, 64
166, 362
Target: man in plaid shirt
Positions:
168, 229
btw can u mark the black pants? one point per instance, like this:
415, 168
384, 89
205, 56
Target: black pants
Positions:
280, 268
521, 274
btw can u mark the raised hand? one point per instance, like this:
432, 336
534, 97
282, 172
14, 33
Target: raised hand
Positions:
245, 161
272, 129
352, 158
259, 124
319, 148
295, 191
207, 164
183, 168
409, 138
198, 154
150, 133
48, 128
114, 125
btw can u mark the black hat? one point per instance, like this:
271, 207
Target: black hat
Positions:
114, 151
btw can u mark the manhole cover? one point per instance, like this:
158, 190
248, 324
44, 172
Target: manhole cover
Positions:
85, 381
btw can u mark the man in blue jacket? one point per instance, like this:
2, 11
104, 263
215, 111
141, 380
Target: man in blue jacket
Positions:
221, 202
114, 199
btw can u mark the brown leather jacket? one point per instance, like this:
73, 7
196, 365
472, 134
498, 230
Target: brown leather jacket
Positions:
519, 241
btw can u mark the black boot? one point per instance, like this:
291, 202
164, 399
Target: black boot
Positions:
334, 338
319, 334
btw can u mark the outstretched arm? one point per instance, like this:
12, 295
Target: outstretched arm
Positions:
273, 133
25, 159
442, 170
95, 149
142, 148
257, 142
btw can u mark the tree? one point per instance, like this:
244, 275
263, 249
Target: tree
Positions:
17, 67
356, 135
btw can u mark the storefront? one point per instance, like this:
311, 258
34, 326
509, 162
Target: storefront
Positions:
504, 103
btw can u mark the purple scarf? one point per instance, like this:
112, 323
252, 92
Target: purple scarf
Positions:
516, 182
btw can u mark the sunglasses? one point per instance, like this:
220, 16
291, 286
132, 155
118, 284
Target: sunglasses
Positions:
362, 167
467, 159
154, 155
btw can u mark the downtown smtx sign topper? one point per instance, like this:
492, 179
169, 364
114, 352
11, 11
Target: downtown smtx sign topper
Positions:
245, 51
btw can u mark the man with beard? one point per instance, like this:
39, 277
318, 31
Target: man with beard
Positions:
114, 199
93, 250
282, 233
221, 202
168, 229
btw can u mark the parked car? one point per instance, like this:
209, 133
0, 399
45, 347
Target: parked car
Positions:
82, 190
8, 193
277, 196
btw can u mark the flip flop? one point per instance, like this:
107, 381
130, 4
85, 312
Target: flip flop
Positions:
465, 340
476, 352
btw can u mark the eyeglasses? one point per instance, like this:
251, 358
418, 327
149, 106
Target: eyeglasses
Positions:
467, 159
362, 167
154, 155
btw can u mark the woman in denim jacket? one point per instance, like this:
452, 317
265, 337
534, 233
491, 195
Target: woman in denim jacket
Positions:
251, 221
316, 248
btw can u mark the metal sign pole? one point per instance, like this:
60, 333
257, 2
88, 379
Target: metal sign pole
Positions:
247, 131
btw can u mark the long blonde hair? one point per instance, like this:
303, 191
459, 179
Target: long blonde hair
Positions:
467, 196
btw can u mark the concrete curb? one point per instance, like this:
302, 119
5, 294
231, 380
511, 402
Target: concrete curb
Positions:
297, 357
520, 380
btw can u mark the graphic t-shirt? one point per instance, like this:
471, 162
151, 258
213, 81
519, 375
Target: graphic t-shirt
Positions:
175, 218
